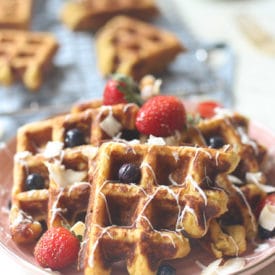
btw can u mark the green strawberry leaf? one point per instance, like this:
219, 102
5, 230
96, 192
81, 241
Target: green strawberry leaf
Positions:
79, 237
129, 88
193, 120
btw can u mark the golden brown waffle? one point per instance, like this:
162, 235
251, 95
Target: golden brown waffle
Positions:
15, 14
92, 14
93, 122
25, 56
135, 48
233, 129
28, 214
38, 144
227, 236
86, 105
143, 222
63, 199
69, 187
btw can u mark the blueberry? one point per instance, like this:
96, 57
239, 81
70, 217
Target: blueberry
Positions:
266, 234
130, 134
43, 225
129, 173
166, 270
215, 142
34, 181
74, 137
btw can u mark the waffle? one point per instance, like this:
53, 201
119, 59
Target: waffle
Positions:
92, 14
15, 14
93, 122
28, 216
69, 187
143, 222
25, 56
35, 210
132, 47
41, 142
227, 235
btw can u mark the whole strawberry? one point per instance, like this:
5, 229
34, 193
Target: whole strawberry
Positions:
57, 248
161, 116
121, 89
206, 109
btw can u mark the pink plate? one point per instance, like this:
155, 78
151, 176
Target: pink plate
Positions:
255, 260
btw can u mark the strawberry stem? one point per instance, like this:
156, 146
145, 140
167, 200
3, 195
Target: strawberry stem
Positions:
129, 88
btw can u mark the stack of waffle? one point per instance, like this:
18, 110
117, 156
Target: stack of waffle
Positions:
195, 188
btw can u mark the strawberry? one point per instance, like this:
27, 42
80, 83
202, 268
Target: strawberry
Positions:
269, 199
121, 89
57, 248
161, 116
206, 109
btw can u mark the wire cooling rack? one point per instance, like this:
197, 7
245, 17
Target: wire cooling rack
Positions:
75, 77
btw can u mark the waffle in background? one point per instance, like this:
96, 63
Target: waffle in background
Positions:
25, 56
15, 14
92, 14
135, 48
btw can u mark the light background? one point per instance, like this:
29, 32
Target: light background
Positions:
254, 87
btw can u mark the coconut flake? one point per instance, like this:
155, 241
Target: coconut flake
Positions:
64, 177
53, 149
79, 229
267, 217
173, 140
256, 178
18, 157
229, 267
152, 140
110, 125
150, 86
235, 180
134, 142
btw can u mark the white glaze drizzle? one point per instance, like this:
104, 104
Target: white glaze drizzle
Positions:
55, 210
247, 206
149, 167
103, 232
247, 140
237, 249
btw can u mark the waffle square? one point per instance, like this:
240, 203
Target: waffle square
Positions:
228, 235
135, 48
143, 222
92, 14
28, 216
15, 14
25, 56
